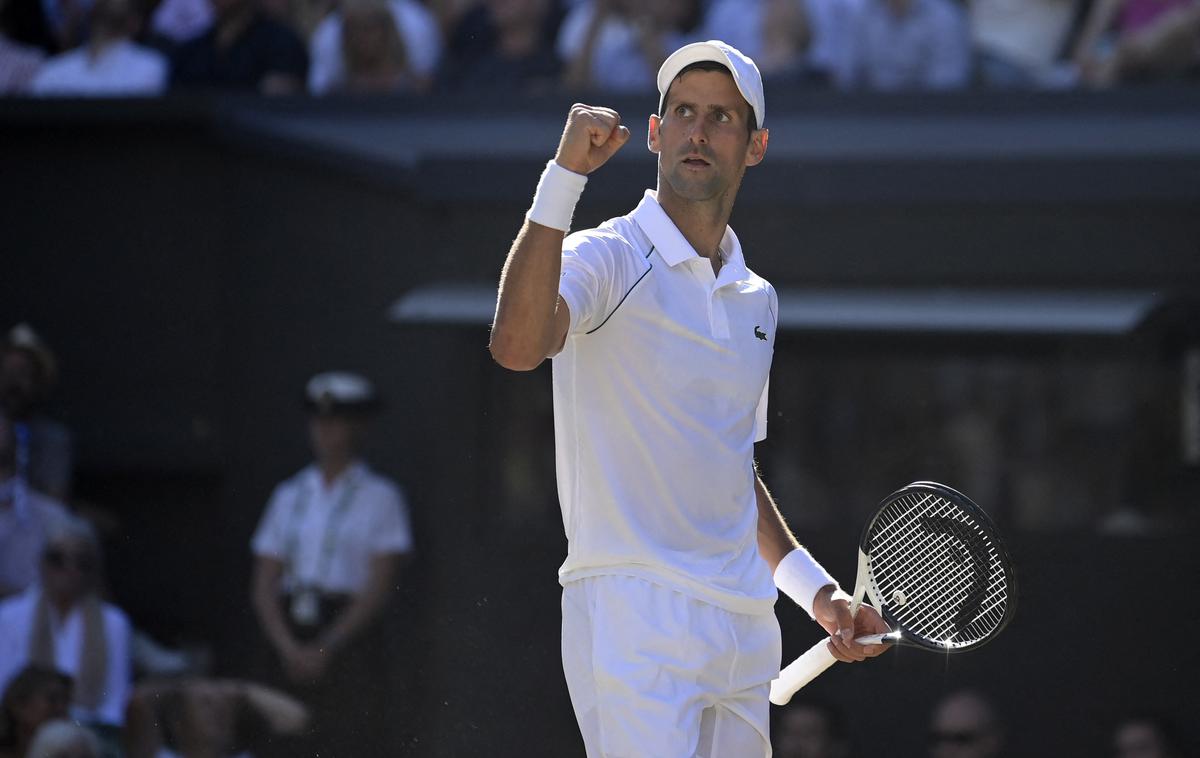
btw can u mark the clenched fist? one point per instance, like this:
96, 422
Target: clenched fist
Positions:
590, 138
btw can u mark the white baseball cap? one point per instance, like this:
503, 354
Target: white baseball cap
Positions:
339, 392
745, 73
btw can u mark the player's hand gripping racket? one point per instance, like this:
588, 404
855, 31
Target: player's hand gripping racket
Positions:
932, 564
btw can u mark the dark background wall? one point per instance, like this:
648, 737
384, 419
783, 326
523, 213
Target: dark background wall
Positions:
193, 263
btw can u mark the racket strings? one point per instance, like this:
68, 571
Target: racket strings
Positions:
920, 571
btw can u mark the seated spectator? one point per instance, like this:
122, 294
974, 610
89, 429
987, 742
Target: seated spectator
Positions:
619, 45
965, 724
35, 696
908, 45
791, 40
1020, 43
110, 64
18, 61
504, 45
810, 730
1147, 736
194, 718
243, 50
64, 739
418, 31
373, 54
63, 623
28, 373
1128, 41
26, 517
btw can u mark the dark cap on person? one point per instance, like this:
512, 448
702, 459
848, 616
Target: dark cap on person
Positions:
340, 392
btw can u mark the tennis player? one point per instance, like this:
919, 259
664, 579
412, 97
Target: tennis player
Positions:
662, 342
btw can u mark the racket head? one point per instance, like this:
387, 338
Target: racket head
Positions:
938, 571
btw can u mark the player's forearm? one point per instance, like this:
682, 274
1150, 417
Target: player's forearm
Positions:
775, 540
523, 332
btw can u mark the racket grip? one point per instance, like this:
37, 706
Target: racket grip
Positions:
801, 671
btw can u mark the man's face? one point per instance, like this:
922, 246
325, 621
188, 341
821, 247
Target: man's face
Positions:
69, 569
805, 733
333, 436
963, 727
702, 138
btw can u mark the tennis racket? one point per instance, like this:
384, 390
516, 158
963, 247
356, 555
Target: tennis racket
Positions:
930, 561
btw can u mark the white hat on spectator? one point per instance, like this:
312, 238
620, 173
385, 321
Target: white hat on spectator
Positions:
745, 73
340, 392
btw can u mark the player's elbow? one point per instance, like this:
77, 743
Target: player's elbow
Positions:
514, 355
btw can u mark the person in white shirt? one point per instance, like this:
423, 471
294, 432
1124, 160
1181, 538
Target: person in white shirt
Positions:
111, 64
662, 342
327, 554
62, 623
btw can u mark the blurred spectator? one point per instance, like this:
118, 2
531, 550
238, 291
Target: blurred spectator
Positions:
26, 517
810, 730
505, 46
64, 739
110, 64
28, 373
243, 50
63, 623
789, 39
1146, 736
18, 62
1140, 40
908, 45
419, 34
1020, 43
34, 696
619, 45
965, 724
328, 550
373, 54
207, 718
177, 21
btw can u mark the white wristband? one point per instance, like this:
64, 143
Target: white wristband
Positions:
557, 193
800, 577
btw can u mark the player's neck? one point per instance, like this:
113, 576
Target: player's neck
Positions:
701, 222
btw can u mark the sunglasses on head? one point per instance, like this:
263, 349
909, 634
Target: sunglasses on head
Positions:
961, 737
59, 559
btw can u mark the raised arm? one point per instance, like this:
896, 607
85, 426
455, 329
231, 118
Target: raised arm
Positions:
531, 321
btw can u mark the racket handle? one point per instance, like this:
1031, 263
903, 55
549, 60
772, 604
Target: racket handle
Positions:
801, 671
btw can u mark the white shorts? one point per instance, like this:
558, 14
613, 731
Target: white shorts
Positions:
654, 673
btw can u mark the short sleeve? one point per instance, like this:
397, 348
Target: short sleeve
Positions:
269, 538
760, 413
598, 270
391, 532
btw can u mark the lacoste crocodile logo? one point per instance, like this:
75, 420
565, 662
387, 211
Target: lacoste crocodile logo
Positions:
760, 334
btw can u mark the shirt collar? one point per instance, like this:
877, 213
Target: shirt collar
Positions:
674, 248
317, 483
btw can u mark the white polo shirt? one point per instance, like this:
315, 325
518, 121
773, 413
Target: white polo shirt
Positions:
327, 535
659, 396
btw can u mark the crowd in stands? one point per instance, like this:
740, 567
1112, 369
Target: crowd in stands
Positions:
149, 47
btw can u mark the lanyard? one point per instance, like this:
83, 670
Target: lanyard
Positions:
329, 538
